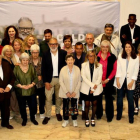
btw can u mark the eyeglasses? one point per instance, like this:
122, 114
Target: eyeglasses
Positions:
53, 44
25, 28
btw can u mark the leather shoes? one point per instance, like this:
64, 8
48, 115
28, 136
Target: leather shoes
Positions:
118, 118
45, 121
8, 126
24, 123
131, 121
109, 120
34, 122
59, 117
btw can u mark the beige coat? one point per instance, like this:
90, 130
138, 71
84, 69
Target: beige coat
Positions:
96, 80
64, 81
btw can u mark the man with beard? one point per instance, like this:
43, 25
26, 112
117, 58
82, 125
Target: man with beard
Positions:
130, 32
52, 62
44, 44
25, 27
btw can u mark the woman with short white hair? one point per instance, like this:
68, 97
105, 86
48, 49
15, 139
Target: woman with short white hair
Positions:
36, 62
26, 80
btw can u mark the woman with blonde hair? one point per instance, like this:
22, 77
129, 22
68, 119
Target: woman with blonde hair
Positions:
28, 42
18, 50
91, 86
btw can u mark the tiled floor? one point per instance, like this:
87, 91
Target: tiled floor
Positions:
115, 130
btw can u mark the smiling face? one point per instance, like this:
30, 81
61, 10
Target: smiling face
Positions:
48, 36
105, 49
8, 53
30, 41
132, 20
108, 31
128, 49
67, 43
91, 58
11, 32
70, 61
53, 45
25, 61
17, 46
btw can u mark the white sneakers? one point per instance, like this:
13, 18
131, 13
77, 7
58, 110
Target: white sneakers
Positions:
75, 123
42, 116
65, 123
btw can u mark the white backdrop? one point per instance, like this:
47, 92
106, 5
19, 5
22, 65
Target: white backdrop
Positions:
77, 18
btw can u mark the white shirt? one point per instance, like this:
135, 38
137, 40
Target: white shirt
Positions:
1, 76
17, 58
89, 49
132, 33
55, 63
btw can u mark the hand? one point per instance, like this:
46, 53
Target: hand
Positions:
39, 78
105, 81
136, 39
7, 89
73, 95
17, 64
24, 87
124, 36
129, 86
91, 92
48, 86
1, 90
30, 86
95, 86
118, 83
68, 95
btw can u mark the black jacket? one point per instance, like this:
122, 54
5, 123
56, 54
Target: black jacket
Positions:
47, 67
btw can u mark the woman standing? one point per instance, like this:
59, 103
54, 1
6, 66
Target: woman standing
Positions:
26, 80
28, 42
137, 89
67, 40
70, 81
127, 72
109, 66
36, 62
18, 50
91, 85
10, 34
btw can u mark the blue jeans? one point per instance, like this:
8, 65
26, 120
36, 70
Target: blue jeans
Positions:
120, 93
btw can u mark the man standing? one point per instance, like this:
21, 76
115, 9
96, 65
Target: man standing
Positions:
89, 45
52, 62
130, 32
44, 44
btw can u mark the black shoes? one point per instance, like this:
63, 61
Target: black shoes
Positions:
8, 126
45, 121
59, 117
118, 118
87, 123
24, 123
131, 121
34, 122
109, 120
92, 123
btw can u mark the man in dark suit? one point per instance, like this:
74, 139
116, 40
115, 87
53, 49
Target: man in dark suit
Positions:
7, 80
130, 32
52, 62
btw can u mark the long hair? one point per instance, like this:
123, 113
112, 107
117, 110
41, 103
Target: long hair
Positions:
26, 39
133, 54
6, 35
20, 43
95, 60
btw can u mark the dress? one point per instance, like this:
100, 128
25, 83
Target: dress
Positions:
137, 88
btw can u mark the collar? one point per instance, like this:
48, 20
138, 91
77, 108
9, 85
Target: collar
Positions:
130, 27
100, 52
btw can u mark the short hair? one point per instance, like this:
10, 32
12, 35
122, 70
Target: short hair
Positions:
26, 39
95, 61
5, 48
133, 54
105, 43
69, 56
78, 43
67, 37
48, 31
35, 47
20, 42
134, 15
24, 56
24, 19
109, 25
90, 34
6, 35
53, 38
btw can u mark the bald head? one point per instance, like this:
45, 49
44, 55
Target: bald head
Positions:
53, 39
89, 39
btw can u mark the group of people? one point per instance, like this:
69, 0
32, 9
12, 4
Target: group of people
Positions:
82, 74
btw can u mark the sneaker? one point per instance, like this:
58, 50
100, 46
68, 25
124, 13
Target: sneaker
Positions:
42, 116
64, 124
75, 123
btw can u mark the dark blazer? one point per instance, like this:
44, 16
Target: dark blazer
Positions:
47, 67
126, 30
8, 78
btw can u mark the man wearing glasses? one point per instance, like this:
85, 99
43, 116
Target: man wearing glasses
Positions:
25, 27
52, 62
